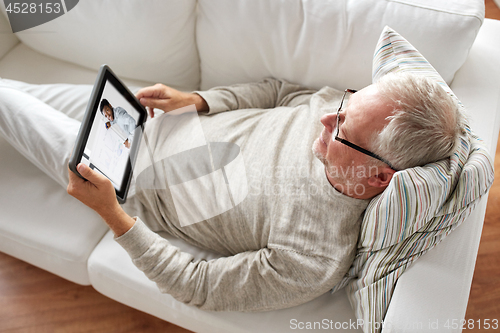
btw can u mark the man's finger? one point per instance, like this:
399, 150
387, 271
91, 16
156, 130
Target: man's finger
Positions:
73, 177
89, 174
74, 182
151, 112
148, 91
155, 91
154, 103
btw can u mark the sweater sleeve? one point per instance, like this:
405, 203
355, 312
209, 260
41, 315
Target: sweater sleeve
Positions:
267, 279
269, 93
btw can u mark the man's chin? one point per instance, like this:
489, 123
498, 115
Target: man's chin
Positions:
317, 152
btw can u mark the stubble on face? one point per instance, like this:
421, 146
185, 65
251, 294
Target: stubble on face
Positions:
316, 151
340, 174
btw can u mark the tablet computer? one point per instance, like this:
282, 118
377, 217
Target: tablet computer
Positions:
111, 132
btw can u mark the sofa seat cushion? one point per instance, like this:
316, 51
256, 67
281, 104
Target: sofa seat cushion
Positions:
113, 274
40, 223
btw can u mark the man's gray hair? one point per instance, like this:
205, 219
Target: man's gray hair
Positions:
426, 125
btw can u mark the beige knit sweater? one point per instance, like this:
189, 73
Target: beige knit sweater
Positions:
290, 240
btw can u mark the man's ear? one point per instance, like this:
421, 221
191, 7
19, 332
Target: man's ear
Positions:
382, 178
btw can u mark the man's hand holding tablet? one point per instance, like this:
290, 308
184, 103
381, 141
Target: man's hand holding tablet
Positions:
110, 149
97, 192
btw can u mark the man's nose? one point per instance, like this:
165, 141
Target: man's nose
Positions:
329, 120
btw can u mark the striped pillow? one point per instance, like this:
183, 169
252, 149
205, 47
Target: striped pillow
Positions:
420, 206
393, 53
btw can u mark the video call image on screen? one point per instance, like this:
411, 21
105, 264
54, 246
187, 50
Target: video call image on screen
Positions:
111, 136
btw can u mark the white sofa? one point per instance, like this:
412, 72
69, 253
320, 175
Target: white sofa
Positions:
192, 45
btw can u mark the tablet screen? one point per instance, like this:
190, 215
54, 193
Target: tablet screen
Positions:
111, 131
111, 135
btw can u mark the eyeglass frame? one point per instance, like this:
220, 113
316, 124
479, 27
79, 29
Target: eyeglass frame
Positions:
352, 145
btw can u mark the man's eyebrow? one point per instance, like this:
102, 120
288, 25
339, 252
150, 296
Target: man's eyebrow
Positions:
345, 135
344, 132
344, 110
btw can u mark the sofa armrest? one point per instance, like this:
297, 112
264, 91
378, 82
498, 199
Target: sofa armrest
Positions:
7, 39
432, 295
477, 84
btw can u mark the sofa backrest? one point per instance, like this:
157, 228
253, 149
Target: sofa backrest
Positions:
7, 41
219, 42
326, 42
150, 40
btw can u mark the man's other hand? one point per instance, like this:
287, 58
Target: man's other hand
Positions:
168, 99
98, 193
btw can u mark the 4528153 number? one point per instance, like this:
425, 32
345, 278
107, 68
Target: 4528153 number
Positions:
33, 8
484, 324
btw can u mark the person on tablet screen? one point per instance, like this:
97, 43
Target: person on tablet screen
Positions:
120, 117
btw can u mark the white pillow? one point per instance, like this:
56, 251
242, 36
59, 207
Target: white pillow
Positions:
323, 42
152, 41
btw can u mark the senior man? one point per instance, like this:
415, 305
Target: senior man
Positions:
288, 246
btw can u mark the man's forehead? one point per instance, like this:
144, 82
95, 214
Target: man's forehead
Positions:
368, 110
370, 102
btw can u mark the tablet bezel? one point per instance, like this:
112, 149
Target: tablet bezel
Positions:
106, 75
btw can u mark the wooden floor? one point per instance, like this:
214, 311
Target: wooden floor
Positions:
484, 299
32, 300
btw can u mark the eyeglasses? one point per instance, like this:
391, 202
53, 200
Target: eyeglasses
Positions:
350, 144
